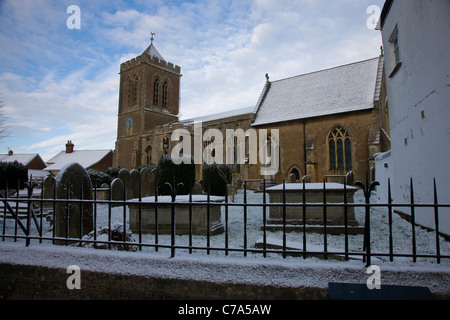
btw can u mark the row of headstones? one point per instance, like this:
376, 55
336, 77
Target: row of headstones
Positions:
134, 181
73, 182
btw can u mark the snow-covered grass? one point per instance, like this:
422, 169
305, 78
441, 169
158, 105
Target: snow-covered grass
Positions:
402, 235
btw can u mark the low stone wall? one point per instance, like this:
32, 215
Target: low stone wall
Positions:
40, 272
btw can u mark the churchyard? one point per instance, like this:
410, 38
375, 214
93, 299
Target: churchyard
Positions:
237, 223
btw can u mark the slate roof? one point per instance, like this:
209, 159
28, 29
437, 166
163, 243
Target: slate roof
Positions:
220, 115
347, 88
86, 158
153, 52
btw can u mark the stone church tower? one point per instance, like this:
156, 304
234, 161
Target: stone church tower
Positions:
149, 97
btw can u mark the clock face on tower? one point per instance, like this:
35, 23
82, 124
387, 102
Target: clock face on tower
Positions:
129, 123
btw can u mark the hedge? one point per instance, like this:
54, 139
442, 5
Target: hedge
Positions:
11, 173
175, 174
216, 177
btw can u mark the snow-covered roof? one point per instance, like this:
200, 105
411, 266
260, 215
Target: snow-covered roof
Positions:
220, 115
86, 158
351, 87
21, 158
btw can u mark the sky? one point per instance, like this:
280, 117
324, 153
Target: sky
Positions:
59, 70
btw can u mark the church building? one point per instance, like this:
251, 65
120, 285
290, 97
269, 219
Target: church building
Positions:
330, 122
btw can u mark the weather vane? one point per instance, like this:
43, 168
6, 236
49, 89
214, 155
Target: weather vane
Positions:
152, 36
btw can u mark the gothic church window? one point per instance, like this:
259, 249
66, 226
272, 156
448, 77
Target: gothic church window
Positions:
134, 90
339, 150
148, 153
164, 95
128, 89
155, 91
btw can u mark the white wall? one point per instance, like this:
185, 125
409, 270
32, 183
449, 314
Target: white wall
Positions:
419, 104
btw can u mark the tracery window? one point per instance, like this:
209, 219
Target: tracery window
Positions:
156, 92
164, 94
148, 153
128, 91
339, 150
134, 90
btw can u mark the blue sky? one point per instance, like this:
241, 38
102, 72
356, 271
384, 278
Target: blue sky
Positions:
60, 84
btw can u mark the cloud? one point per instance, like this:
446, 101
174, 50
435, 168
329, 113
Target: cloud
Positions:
83, 110
61, 85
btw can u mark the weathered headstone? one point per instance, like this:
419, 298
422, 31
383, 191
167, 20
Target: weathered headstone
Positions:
49, 187
147, 182
154, 181
73, 219
350, 178
238, 184
49, 190
133, 187
117, 191
124, 175
197, 188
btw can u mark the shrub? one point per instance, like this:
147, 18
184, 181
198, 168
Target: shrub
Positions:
113, 172
11, 173
216, 177
99, 177
175, 174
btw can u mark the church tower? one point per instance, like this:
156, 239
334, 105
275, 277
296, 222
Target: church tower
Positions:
149, 97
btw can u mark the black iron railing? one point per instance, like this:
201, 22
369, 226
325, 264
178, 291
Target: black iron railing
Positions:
29, 217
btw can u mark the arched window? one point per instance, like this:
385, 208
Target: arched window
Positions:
134, 90
148, 153
128, 88
294, 175
339, 150
155, 91
164, 94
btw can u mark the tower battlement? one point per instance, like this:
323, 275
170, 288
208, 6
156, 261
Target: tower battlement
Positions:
145, 58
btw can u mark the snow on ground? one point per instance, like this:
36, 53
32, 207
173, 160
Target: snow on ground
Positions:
379, 236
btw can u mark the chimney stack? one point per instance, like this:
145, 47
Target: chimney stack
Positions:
69, 147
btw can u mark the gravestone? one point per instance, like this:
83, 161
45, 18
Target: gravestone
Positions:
133, 187
49, 190
117, 191
148, 182
350, 178
73, 219
124, 175
197, 188
145, 182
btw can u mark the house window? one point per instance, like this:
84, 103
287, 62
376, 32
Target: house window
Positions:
164, 95
394, 51
155, 91
339, 150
